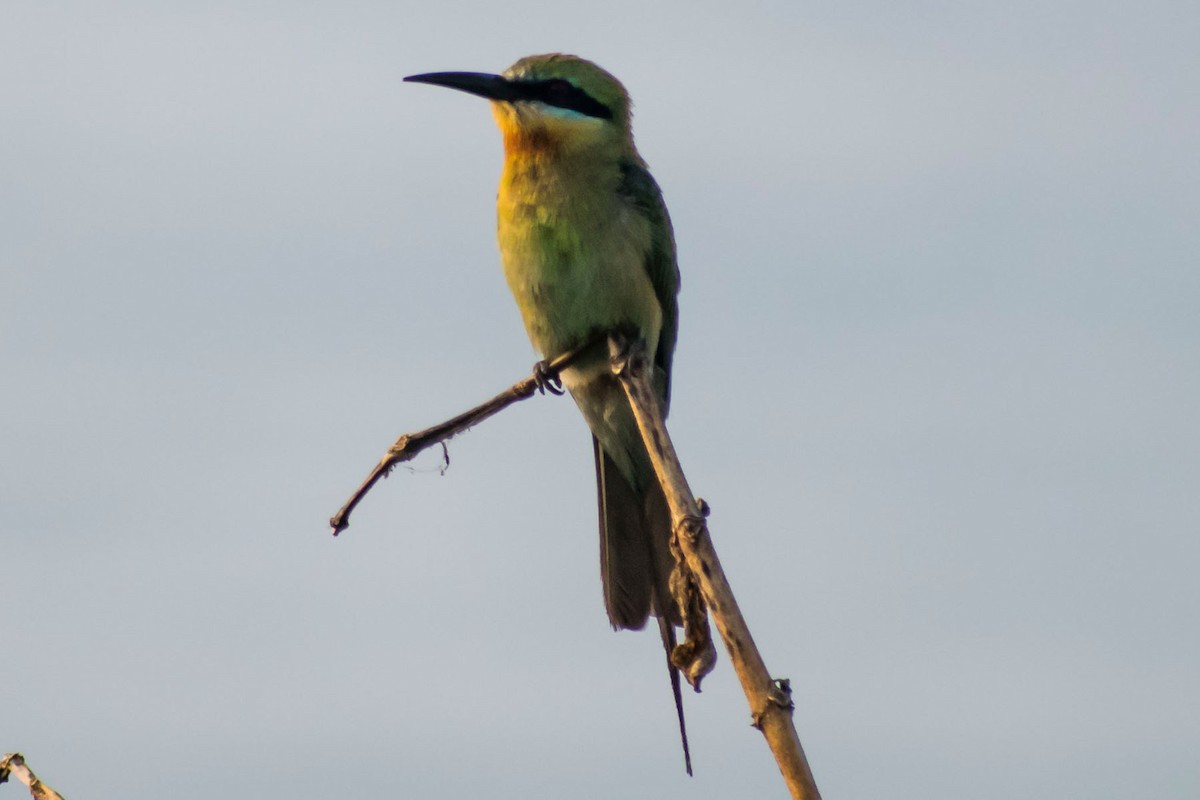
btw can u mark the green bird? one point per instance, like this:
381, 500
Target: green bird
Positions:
588, 249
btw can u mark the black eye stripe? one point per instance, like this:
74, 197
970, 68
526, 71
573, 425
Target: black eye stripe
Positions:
563, 94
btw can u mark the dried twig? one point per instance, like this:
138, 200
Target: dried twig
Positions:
409, 445
14, 764
770, 700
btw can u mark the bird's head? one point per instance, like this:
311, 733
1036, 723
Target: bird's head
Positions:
550, 103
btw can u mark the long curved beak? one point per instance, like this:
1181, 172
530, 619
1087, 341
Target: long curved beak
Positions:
493, 87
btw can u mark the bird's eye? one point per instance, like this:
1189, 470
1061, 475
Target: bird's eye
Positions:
566, 95
558, 90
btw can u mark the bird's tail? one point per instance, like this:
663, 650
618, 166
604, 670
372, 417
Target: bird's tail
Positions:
668, 638
636, 563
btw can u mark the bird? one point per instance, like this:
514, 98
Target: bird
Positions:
588, 249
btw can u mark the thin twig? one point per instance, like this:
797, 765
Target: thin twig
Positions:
409, 445
14, 764
770, 700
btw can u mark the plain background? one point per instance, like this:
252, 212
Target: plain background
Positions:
938, 375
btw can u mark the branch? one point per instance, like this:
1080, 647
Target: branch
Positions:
770, 700
14, 764
406, 448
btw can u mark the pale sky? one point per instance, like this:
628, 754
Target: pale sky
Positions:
938, 376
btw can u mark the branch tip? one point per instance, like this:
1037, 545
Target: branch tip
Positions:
406, 447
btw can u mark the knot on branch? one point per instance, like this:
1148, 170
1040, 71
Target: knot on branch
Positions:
691, 527
778, 698
781, 694
397, 452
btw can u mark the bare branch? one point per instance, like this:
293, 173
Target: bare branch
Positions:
14, 764
406, 448
770, 700
699, 569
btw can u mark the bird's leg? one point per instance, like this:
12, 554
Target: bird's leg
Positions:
547, 379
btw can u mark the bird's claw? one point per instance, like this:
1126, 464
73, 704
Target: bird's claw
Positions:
547, 380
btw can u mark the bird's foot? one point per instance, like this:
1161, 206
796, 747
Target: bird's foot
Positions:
625, 352
546, 379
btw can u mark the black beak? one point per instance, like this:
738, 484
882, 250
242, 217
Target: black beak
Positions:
493, 87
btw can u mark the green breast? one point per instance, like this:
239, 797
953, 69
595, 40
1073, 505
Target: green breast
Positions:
574, 260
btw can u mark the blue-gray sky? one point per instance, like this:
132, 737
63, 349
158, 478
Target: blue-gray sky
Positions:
938, 375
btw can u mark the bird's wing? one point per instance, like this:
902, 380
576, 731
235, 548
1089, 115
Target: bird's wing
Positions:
640, 190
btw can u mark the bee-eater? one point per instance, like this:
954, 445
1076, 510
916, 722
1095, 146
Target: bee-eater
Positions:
588, 249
